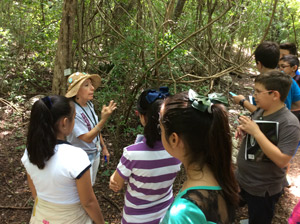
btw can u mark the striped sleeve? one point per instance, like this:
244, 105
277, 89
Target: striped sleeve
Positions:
125, 166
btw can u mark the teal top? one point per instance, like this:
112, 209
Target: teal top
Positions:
185, 211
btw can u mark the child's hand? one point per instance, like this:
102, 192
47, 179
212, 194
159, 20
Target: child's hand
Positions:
113, 185
239, 134
107, 110
247, 125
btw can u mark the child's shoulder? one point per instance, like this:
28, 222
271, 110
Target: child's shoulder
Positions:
137, 146
70, 149
285, 116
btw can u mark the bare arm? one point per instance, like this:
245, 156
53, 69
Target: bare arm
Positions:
88, 199
116, 182
295, 105
247, 104
104, 149
89, 136
271, 150
105, 114
31, 186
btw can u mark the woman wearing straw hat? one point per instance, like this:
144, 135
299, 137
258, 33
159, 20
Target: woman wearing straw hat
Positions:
87, 129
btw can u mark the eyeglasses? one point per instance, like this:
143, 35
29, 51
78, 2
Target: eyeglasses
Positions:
257, 92
283, 66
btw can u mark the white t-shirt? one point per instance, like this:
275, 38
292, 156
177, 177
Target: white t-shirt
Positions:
56, 182
85, 120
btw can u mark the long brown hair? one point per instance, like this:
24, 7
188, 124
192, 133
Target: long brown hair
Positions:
206, 137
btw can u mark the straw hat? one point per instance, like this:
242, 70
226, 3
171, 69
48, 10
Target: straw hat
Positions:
76, 79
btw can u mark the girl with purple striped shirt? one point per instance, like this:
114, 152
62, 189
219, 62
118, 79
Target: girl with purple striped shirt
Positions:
147, 167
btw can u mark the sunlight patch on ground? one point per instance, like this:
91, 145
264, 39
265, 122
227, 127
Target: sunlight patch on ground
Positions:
295, 188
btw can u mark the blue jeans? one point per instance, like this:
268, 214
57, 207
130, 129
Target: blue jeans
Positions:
260, 209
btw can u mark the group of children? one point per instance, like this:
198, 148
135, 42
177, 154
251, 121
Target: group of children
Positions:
185, 128
276, 93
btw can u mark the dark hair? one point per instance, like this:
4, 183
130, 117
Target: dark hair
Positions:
276, 80
291, 47
42, 130
291, 59
151, 113
267, 53
206, 137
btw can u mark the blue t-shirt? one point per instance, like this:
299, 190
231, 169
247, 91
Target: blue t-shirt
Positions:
293, 96
297, 72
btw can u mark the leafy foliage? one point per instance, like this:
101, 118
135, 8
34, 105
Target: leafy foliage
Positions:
29, 30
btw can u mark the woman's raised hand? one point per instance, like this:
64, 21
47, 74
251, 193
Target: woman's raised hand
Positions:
107, 110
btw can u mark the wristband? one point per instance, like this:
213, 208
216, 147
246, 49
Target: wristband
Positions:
242, 101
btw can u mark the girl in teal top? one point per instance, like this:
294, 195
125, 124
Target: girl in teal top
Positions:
195, 130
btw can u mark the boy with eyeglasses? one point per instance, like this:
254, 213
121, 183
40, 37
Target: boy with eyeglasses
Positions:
288, 49
267, 57
289, 64
261, 181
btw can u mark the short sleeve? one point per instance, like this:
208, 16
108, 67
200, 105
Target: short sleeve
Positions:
184, 211
125, 165
295, 91
80, 127
78, 163
289, 140
24, 158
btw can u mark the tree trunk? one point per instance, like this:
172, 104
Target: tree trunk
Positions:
63, 58
178, 9
169, 14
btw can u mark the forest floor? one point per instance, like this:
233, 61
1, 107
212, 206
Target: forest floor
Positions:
15, 198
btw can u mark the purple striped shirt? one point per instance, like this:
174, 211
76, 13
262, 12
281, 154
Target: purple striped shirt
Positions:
150, 174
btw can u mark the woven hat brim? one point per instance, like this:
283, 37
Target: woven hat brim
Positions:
96, 81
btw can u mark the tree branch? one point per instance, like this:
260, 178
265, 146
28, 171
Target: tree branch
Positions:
270, 22
187, 38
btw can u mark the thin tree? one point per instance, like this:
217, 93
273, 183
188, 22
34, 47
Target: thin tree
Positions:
63, 58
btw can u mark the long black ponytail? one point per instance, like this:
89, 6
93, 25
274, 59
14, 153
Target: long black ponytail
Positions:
148, 104
42, 130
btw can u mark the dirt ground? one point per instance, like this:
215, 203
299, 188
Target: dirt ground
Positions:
15, 198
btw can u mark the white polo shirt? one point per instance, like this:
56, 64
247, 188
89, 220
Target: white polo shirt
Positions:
56, 182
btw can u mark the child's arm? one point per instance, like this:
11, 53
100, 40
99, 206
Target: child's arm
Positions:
88, 199
269, 149
116, 182
31, 186
295, 105
237, 99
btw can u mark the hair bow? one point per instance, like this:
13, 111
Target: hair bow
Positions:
161, 94
203, 103
47, 102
